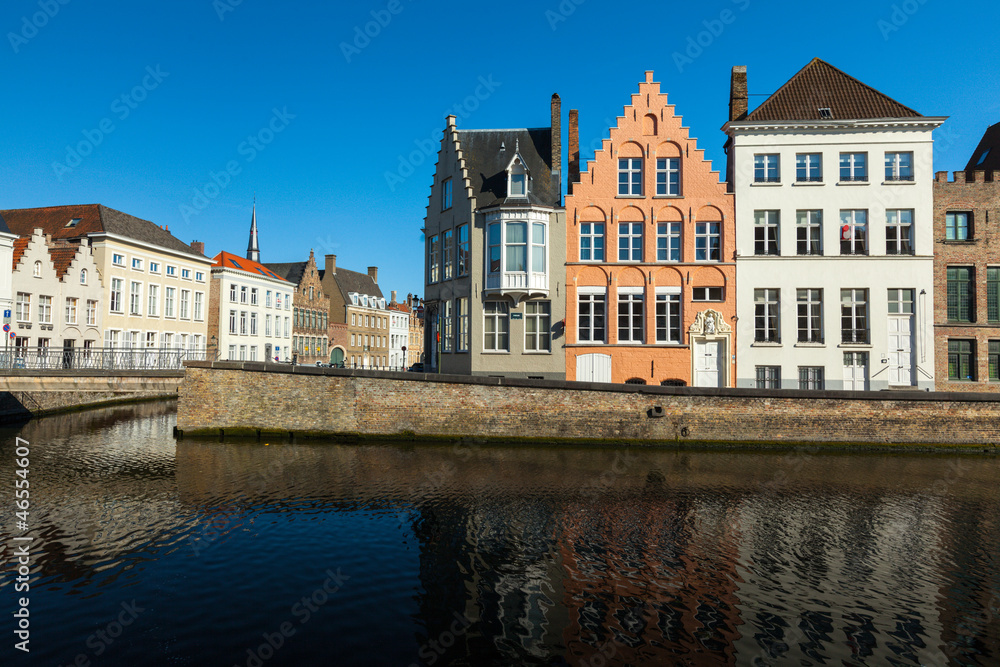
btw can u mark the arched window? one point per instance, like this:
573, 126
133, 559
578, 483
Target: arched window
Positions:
83, 276
37, 271
673, 383
635, 381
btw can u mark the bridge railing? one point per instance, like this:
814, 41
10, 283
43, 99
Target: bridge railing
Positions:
98, 358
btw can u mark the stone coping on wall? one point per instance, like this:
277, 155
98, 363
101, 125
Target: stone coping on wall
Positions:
89, 372
886, 395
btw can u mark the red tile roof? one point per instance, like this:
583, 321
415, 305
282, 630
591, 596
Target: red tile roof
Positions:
228, 260
62, 256
20, 245
820, 85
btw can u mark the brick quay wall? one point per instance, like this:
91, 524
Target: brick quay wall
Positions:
240, 399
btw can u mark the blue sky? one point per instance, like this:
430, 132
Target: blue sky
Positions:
186, 109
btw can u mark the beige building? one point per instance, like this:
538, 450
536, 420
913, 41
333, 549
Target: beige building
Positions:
356, 301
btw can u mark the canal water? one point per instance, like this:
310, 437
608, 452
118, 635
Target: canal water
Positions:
151, 551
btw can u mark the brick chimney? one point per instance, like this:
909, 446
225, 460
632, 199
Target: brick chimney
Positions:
373, 272
393, 293
738, 98
556, 136
331, 264
198, 247
574, 151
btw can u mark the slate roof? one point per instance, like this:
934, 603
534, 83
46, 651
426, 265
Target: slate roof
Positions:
821, 85
352, 281
986, 157
3, 226
228, 260
94, 219
290, 271
487, 164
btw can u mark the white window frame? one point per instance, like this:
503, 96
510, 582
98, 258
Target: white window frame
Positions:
766, 233
767, 315
588, 230
669, 317
630, 241
808, 167
135, 298
115, 304
809, 224
854, 167
766, 168
587, 301
153, 299
669, 235
71, 309
669, 168
899, 223
852, 220
498, 313
703, 237
899, 166
540, 340
809, 315
631, 305
630, 177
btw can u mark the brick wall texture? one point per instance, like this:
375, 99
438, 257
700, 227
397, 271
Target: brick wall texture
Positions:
235, 396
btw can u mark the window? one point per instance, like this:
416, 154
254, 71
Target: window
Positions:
71, 310
45, 310
668, 316
961, 360
154, 300
288, 301
253, 296
630, 176
232, 353
809, 232
960, 294
765, 169
91, 313
810, 312
517, 246
171, 270
899, 232
497, 327
36, 271
463, 250
900, 302
136, 264
267, 324
853, 232
707, 293
446, 194
992, 294
630, 242
267, 299
668, 176
853, 167
518, 182
957, 226
630, 315
135, 299
253, 324
232, 293
199, 276
199, 298
243, 352
768, 377
766, 321
590, 317
185, 302
591, 242
243, 323
809, 167
448, 255
668, 242
765, 232
462, 313
537, 323
708, 241
154, 267
22, 308
899, 166
83, 276
168, 301
994, 360
118, 260
186, 274
810, 377
433, 260
447, 328
538, 252
116, 295
243, 293
854, 316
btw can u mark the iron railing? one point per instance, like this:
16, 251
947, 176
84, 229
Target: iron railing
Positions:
98, 358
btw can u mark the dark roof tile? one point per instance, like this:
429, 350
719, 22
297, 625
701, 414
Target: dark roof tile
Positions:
986, 157
487, 163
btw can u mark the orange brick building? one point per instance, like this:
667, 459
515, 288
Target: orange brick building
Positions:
650, 272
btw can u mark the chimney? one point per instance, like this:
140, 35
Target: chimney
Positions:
373, 272
556, 136
331, 265
574, 151
738, 98
393, 293
198, 247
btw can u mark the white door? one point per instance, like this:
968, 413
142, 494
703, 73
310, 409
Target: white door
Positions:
593, 368
900, 350
708, 363
856, 371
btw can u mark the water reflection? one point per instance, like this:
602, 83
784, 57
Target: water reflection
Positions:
506, 555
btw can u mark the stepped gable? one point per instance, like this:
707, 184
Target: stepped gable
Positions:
820, 85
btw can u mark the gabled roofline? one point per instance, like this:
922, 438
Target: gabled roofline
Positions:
930, 122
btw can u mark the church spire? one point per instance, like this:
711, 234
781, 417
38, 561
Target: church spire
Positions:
253, 251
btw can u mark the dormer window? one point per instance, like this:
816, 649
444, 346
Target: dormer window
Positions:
825, 113
354, 298
74, 222
517, 178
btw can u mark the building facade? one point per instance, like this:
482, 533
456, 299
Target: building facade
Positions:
357, 302
967, 281
399, 332
155, 286
310, 310
58, 298
415, 346
250, 315
495, 248
834, 231
7, 239
650, 277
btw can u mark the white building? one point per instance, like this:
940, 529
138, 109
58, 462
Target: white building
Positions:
399, 333
251, 318
6, 254
833, 235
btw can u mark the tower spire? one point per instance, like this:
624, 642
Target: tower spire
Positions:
253, 251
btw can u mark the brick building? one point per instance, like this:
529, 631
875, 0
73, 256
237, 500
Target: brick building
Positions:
357, 302
650, 276
967, 280
310, 310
